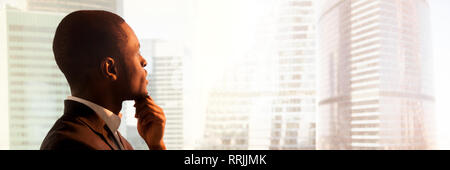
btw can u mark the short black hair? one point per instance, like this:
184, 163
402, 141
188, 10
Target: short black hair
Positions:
84, 38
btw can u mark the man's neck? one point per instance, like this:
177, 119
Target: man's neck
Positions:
107, 101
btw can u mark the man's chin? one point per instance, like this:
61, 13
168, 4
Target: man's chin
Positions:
140, 96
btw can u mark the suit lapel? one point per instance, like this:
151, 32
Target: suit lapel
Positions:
124, 142
91, 119
108, 136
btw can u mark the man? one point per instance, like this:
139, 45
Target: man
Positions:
99, 55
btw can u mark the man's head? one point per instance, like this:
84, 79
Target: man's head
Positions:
98, 52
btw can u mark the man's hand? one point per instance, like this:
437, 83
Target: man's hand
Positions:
151, 122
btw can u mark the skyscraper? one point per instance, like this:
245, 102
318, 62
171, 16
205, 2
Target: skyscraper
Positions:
375, 82
35, 86
293, 120
266, 98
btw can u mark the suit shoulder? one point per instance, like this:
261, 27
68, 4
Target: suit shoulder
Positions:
60, 141
70, 134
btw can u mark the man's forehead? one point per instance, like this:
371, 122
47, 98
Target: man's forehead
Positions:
131, 36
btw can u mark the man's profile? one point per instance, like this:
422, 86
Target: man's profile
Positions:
98, 53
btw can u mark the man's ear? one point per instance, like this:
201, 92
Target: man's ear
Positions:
109, 68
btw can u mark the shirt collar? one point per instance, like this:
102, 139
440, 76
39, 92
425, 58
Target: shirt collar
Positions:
112, 120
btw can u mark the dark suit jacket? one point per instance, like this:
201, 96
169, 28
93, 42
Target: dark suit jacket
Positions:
81, 128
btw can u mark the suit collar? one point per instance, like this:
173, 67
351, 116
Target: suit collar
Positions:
111, 119
86, 115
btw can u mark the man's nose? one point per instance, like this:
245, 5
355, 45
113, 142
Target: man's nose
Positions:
144, 62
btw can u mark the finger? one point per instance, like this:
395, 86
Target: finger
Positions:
143, 103
152, 119
138, 103
141, 99
151, 115
139, 110
140, 107
154, 108
153, 104
150, 110
147, 104
149, 99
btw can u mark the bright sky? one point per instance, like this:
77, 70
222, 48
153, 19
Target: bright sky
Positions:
440, 26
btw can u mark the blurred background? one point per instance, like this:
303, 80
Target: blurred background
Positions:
251, 74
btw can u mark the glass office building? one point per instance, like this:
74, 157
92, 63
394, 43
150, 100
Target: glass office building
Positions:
375, 83
35, 86
266, 98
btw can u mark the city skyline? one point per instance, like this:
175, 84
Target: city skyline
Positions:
251, 77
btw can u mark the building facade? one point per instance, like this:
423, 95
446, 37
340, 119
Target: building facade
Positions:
36, 87
376, 77
293, 120
266, 98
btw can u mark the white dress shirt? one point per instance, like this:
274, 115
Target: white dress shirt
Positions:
112, 120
